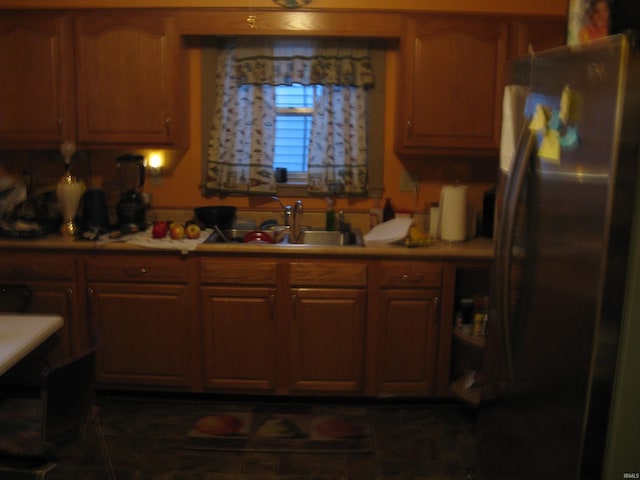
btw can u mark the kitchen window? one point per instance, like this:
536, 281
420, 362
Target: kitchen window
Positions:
287, 112
294, 114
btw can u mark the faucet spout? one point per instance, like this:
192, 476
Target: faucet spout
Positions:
287, 210
296, 229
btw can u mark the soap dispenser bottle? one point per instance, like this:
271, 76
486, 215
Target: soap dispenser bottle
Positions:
388, 213
331, 216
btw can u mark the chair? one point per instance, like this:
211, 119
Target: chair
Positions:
45, 410
38, 426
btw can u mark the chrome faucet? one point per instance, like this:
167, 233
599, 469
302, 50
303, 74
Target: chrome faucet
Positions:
295, 231
287, 211
292, 219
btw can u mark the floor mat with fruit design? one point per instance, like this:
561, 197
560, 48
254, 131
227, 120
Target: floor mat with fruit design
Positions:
321, 429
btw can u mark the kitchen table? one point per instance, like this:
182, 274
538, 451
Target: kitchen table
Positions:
20, 334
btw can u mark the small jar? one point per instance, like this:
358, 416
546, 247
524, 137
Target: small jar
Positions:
465, 315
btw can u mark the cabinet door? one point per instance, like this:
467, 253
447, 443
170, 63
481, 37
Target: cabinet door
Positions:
328, 340
450, 84
52, 281
58, 298
35, 83
408, 341
145, 330
536, 34
239, 338
128, 69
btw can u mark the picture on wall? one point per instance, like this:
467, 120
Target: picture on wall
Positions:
588, 20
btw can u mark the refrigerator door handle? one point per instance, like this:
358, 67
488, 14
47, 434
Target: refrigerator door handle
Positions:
504, 243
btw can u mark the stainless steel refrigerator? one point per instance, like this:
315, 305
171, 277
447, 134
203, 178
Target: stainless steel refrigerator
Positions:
561, 301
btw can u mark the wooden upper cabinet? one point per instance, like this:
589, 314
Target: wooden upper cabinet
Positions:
539, 34
35, 83
129, 75
450, 84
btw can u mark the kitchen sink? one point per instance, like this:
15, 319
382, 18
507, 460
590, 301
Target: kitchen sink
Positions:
327, 238
309, 237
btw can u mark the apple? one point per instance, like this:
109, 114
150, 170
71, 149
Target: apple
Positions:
160, 230
176, 231
192, 230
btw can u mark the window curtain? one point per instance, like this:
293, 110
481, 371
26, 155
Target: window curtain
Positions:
241, 147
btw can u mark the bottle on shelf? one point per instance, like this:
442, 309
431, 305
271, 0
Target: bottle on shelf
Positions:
464, 320
481, 315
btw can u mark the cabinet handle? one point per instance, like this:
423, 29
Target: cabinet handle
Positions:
136, 271
272, 298
167, 124
69, 292
436, 307
60, 124
409, 128
90, 293
412, 278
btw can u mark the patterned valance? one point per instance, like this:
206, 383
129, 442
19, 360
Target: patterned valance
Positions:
284, 62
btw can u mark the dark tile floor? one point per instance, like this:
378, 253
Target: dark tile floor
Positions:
417, 440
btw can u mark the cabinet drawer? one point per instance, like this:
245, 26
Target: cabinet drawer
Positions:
337, 274
410, 274
238, 272
32, 267
107, 269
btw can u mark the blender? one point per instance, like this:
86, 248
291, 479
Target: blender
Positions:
131, 210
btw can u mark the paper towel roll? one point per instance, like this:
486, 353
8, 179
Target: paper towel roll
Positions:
453, 213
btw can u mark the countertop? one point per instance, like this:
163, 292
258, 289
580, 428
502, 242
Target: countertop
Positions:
21, 333
478, 248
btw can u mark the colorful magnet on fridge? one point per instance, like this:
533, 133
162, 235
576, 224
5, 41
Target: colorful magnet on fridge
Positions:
570, 140
539, 120
550, 147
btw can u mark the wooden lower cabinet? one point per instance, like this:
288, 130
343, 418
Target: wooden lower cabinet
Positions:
143, 310
406, 314
327, 340
408, 341
52, 281
253, 324
239, 301
326, 329
239, 338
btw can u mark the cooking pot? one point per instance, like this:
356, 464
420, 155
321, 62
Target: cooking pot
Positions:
216, 216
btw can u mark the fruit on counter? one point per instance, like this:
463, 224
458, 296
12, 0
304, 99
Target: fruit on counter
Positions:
417, 236
192, 230
219, 425
417, 233
176, 231
160, 230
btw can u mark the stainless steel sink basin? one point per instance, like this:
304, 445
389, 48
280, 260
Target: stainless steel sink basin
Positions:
327, 238
332, 238
309, 237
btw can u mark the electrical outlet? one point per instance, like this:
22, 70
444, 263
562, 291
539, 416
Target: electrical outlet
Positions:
407, 182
